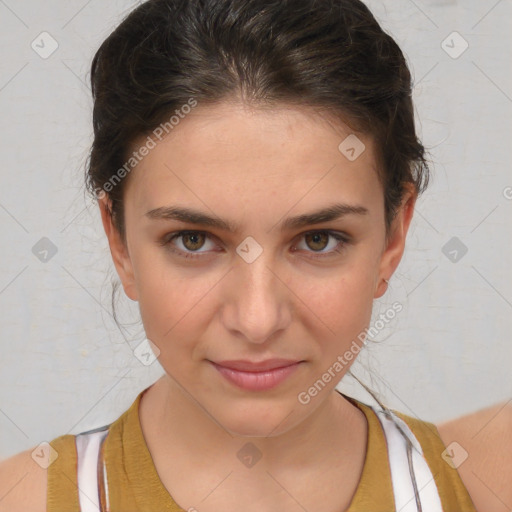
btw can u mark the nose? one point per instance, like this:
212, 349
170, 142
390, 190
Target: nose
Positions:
258, 304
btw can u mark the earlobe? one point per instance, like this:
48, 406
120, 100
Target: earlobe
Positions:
395, 243
118, 249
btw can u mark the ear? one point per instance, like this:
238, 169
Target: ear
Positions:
118, 249
395, 242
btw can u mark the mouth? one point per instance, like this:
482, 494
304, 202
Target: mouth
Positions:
256, 376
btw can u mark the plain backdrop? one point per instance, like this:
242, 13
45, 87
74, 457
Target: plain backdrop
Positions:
66, 367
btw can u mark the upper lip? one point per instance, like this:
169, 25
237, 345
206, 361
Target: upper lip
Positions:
253, 366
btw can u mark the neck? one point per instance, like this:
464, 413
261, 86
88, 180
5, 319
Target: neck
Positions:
177, 428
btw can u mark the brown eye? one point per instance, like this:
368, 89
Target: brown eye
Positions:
193, 241
317, 241
324, 243
188, 243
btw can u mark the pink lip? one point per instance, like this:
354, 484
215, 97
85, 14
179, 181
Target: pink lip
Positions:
258, 376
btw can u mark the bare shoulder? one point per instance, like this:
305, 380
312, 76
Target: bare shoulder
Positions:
22, 484
480, 444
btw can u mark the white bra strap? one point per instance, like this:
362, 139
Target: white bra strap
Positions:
88, 445
402, 479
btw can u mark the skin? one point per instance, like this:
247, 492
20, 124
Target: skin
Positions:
486, 436
255, 167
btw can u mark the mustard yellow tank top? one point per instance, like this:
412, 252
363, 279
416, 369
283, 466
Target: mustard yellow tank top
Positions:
134, 484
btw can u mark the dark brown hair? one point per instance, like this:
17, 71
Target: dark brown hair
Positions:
328, 54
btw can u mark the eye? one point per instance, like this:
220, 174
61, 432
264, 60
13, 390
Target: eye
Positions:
192, 241
318, 240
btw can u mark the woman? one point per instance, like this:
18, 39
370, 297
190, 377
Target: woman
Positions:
256, 167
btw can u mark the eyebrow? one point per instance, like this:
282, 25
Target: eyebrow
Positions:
191, 216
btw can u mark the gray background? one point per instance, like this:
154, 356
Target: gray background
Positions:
66, 368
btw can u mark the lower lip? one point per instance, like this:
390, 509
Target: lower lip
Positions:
256, 381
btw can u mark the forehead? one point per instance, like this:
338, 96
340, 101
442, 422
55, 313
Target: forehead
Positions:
233, 155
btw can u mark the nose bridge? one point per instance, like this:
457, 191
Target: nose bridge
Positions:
260, 297
256, 259
257, 280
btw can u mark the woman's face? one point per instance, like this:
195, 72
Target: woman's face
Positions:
262, 281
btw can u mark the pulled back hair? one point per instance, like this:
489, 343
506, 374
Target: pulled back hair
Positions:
331, 55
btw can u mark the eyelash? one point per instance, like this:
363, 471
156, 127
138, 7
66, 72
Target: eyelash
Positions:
166, 241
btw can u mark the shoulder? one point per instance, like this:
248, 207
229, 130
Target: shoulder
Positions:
22, 484
32, 480
482, 443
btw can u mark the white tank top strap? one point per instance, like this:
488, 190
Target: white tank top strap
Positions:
414, 487
91, 470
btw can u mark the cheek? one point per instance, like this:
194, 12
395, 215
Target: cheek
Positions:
339, 309
171, 311
172, 300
